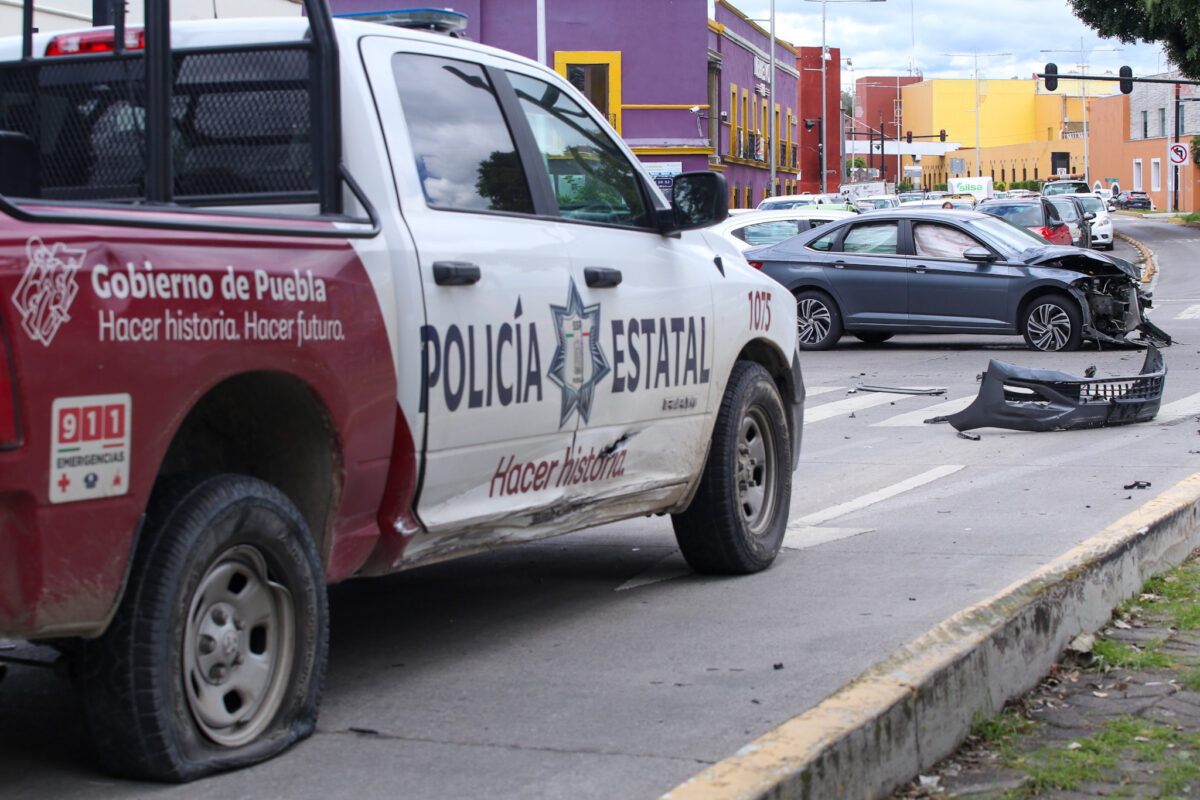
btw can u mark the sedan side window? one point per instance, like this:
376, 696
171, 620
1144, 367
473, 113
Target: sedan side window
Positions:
1052, 214
878, 238
825, 243
941, 241
770, 232
465, 155
592, 179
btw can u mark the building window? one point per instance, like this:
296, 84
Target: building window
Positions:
735, 137
1035, 175
598, 75
1024, 173
1155, 174
733, 196
1002, 174
1162, 122
745, 121
1137, 174
749, 196
1145, 124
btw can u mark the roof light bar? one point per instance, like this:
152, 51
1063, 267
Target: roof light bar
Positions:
441, 20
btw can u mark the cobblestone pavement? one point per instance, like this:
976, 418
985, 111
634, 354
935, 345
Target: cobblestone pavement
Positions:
1138, 728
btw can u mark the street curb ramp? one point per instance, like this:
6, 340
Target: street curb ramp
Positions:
913, 708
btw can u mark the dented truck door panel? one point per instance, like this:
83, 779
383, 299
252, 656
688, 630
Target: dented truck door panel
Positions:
490, 273
638, 391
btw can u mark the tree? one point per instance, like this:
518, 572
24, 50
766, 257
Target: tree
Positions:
1174, 23
848, 104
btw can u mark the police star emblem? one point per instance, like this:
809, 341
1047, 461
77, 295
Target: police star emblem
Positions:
579, 363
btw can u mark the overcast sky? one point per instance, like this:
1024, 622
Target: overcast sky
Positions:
878, 36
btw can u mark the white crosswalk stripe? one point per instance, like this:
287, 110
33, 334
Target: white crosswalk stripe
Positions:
843, 408
1179, 409
1191, 312
916, 419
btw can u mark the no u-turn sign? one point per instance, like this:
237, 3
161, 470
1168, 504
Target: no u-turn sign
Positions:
1178, 153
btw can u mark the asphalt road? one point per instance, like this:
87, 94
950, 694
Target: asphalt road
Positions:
597, 666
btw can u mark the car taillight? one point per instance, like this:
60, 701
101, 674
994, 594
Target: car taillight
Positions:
755, 264
10, 428
76, 44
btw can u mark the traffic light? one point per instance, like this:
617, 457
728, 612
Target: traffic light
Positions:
1126, 74
942, 135
908, 137
1051, 77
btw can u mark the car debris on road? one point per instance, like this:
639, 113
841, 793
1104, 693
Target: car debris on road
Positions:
1027, 399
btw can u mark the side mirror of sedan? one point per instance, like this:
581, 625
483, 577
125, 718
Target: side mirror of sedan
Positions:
1090, 215
979, 254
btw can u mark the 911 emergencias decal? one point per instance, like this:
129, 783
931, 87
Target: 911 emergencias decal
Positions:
89, 447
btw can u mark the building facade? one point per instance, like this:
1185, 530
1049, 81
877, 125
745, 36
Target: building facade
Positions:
1131, 137
685, 92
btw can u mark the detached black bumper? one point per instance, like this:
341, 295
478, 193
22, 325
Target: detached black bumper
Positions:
1024, 399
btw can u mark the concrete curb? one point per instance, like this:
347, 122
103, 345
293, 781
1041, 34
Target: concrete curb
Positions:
912, 709
1147, 254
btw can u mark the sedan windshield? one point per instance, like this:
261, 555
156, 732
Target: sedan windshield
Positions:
1027, 214
1067, 209
1006, 237
1094, 204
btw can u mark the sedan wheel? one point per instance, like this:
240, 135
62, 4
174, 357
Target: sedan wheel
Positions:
818, 321
1053, 323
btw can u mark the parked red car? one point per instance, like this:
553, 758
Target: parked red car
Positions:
1035, 213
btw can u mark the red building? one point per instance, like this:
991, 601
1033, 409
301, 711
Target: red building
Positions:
808, 63
877, 108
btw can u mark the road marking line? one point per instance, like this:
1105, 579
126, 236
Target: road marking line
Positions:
810, 391
916, 419
1179, 409
662, 571
852, 403
871, 498
1191, 312
811, 536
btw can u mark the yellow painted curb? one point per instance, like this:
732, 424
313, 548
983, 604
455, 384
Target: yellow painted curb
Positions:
912, 708
1147, 254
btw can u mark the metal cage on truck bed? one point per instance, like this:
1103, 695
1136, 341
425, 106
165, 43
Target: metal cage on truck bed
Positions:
118, 116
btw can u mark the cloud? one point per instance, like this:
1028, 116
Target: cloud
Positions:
879, 37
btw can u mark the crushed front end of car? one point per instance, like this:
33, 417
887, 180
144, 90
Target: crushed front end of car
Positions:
1111, 294
1026, 399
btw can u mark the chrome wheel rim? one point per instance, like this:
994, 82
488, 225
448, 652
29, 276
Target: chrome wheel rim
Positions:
1049, 327
237, 648
756, 472
812, 320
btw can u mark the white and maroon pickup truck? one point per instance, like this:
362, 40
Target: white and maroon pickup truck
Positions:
288, 301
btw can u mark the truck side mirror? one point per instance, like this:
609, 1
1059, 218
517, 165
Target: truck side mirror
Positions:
697, 199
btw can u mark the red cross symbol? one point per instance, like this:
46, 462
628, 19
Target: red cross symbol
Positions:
64, 482
117, 479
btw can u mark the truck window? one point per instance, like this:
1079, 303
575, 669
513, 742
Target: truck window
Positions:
465, 155
591, 178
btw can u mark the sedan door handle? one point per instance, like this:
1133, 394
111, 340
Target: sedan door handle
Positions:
839, 265
919, 268
455, 273
601, 277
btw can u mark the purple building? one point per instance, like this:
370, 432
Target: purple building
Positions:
685, 92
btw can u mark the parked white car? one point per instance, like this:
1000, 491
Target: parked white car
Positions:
1102, 226
757, 228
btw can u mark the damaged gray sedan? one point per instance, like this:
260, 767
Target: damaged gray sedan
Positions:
936, 271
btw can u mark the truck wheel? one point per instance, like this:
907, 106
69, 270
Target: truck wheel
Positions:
216, 655
736, 521
818, 321
1053, 322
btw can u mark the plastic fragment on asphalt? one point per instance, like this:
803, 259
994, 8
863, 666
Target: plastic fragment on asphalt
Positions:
974, 437
1138, 485
899, 389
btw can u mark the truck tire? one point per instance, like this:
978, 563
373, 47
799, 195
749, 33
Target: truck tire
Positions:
735, 523
216, 655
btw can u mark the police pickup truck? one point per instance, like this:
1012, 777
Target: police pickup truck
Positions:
288, 301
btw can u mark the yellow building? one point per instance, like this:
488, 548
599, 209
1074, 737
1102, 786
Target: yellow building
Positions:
1025, 133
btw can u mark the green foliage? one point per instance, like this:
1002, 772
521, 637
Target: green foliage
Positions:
1115, 654
904, 186
1000, 186
939, 187
1174, 23
1196, 150
858, 162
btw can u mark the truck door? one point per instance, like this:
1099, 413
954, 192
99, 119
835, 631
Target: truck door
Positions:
491, 271
641, 390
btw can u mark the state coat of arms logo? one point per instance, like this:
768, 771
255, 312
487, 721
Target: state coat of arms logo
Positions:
46, 291
579, 363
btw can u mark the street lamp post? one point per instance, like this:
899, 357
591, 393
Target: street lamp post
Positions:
824, 100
